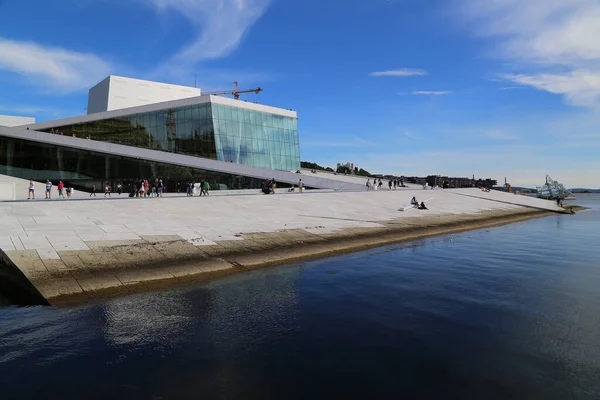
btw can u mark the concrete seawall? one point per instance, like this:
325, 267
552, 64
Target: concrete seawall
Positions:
61, 251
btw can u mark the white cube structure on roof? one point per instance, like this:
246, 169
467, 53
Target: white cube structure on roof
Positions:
117, 92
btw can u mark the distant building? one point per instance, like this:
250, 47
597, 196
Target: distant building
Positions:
347, 165
12, 120
452, 182
117, 92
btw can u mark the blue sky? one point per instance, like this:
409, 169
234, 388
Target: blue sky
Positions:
415, 87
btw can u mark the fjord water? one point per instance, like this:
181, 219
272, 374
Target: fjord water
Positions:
504, 313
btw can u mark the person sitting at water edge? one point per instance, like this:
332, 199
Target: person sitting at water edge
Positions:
414, 202
422, 206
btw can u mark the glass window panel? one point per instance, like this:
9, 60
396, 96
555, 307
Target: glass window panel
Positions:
218, 112
238, 128
238, 115
228, 113
248, 130
231, 128
235, 142
263, 146
180, 116
274, 148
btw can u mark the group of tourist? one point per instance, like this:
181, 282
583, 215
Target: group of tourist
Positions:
138, 188
107, 189
61, 190
270, 185
204, 188
377, 184
144, 188
415, 203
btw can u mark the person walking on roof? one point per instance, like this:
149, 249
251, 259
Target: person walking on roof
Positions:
31, 190
48, 188
61, 187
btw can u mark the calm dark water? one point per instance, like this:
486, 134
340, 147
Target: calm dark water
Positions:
505, 313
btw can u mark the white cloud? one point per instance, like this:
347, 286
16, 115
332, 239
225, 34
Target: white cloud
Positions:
221, 25
580, 88
430, 93
53, 68
553, 42
400, 72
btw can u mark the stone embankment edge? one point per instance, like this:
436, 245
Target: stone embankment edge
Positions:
128, 268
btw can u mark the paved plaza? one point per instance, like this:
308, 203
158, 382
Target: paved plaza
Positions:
56, 239
52, 226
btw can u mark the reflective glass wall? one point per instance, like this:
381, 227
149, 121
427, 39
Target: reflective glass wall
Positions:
206, 130
82, 169
186, 130
255, 138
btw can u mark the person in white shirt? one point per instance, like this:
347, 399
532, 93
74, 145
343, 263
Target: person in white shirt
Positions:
31, 192
48, 188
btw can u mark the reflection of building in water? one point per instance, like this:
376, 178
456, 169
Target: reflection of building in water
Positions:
163, 318
246, 311
245, 306
234, 312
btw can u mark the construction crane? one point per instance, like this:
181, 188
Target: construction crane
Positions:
236, 93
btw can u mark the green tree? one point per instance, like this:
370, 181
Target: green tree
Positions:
312, 165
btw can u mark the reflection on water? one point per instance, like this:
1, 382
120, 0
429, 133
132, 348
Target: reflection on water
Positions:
509, 312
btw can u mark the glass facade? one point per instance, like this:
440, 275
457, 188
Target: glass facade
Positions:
82, 169
256, 138
208, 130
